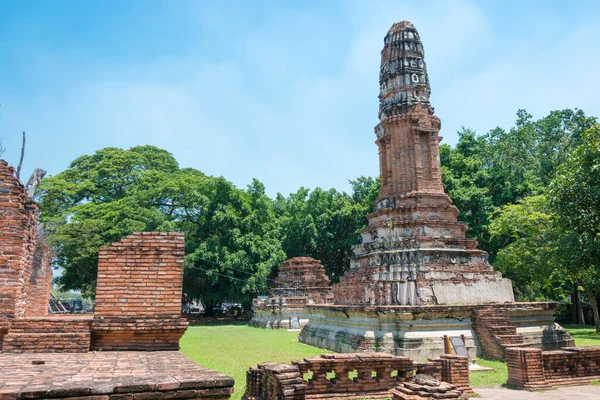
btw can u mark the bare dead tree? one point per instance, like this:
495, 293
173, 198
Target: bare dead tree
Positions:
34, 181
22, 155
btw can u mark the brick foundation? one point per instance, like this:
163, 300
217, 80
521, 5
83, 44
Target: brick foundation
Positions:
533, 369
138, 293
56, 334
356, 375
105, 375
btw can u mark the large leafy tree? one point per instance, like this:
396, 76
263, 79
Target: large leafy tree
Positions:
529, 236
483, 173
325, 224
466, 181
575, 197
232, 241
100, 199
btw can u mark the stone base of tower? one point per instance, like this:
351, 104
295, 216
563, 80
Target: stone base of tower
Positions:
291, 318
418, 331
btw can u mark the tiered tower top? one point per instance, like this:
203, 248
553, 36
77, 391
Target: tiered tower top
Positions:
403, 78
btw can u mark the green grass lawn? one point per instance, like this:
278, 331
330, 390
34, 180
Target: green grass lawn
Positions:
232, 349
584, 336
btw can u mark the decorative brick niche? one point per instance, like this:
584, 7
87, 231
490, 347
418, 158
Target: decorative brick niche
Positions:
138, 293
351, 375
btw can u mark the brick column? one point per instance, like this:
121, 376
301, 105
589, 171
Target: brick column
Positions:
455, 370
525, 368
138, 293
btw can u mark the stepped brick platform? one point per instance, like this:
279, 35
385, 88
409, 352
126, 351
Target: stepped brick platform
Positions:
57, 333
417, 331
109, 375
347, 376
533, 369
495, 332
300, 282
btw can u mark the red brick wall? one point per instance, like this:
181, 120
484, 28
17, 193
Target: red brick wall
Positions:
142, 275
18, 218
138, 293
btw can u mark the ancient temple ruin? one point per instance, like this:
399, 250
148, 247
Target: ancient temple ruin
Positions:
138, 307
416, 276
300, 282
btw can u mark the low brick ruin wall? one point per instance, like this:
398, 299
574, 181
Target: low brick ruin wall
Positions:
533, 369
355, 375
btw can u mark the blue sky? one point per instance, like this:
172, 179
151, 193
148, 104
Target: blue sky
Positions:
284, 91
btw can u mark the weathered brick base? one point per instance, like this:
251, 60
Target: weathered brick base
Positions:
58, 334
137, 333
417, 331
533, 369
354, 376
109, 375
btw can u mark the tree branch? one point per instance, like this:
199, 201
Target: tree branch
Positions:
22, 155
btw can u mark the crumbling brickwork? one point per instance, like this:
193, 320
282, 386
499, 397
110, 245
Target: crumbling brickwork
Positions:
40, 282
300, 282
18, 219
302, 277
361, 375
534, 369
138, 293
426, 387
495, 332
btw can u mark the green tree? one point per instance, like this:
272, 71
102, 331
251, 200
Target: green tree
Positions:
233, 244
575, 197
232, 238
528, 234
98, 200
325, 224
466, 181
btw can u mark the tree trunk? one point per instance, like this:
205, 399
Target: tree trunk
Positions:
574, 306
34, 181
580, 314
592, 298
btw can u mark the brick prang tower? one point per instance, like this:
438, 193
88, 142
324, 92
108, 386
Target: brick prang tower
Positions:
414, 250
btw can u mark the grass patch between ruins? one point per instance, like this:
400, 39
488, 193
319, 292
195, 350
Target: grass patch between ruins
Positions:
233, 348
